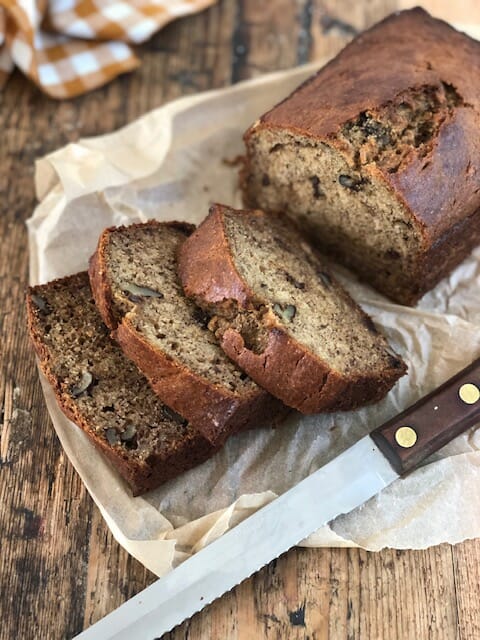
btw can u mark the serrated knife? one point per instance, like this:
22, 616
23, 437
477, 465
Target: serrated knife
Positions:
359, 473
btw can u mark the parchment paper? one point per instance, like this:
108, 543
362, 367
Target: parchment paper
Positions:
170, 164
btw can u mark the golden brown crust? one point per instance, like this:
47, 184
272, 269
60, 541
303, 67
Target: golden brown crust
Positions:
214, 411
213, 272
441, 189
285, 368
98, 283
142, 476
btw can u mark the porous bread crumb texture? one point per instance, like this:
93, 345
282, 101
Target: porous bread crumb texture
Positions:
145, 256
289, 281
100, 386
334, 187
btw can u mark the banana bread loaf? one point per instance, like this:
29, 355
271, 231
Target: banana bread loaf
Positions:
281, 316
135, 285
378, 154
103, 392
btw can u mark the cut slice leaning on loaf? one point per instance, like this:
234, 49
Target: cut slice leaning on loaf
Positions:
135, 284
103, 392
281, 316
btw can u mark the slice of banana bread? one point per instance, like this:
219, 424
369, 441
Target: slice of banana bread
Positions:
103, 392
135, 284
281, 316
377, 156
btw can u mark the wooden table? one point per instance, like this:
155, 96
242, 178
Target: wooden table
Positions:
60, 568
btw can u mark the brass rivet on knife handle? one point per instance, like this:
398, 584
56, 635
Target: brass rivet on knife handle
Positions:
407, 439
469, 393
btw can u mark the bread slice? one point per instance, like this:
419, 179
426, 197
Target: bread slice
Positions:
280, 314
103, 392
380, 161
135, 284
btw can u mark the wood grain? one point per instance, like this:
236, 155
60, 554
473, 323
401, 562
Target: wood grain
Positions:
60, 568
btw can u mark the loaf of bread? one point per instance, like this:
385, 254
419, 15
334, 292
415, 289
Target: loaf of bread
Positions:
377, 156
103, 392
281, 316
134, 280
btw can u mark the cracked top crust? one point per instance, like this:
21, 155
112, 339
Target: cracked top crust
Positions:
408, 51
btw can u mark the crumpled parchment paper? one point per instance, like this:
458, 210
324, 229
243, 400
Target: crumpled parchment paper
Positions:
168, 165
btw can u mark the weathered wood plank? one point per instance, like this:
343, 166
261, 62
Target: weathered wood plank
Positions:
466, 561
112, 575
334, 24
266, 36
337, 593
41, 572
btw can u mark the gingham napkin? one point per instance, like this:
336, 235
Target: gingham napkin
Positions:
68, 47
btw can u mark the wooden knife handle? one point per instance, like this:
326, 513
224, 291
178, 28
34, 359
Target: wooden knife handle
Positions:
432, 422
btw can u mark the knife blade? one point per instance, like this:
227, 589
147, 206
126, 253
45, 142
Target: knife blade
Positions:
349, 480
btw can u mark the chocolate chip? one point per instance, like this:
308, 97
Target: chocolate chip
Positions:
265, 180
349, 182
317, 192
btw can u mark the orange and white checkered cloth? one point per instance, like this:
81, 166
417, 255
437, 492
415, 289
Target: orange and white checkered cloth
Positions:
68, 47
